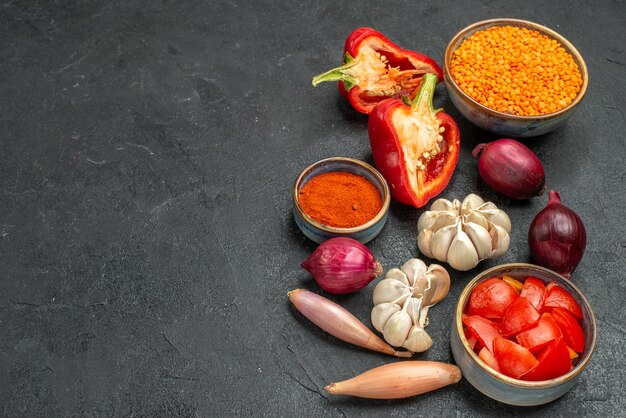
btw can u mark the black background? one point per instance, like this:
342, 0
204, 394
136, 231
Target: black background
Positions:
148, 150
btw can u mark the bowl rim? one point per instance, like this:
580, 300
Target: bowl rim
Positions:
483, 24
386, 197
541, 384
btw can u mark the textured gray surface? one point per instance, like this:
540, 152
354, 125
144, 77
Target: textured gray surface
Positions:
146, 241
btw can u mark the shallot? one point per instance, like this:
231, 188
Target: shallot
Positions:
340, 323
557, 237
342, 265
398, 380
511, 169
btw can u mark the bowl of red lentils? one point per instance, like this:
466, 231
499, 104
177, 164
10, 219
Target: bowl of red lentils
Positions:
513, 77
340, 197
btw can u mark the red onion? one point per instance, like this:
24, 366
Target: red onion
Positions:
511, 169
557, 237
342, 265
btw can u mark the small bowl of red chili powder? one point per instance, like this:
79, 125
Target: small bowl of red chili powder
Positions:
340, 197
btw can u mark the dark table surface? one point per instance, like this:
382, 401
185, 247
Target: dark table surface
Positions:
148, 149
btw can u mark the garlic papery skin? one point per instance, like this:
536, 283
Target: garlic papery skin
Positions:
402, 300
463, 233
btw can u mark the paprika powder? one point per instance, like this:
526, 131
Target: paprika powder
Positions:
340, 199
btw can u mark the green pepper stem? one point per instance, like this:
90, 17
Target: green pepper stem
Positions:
424, 97
338, 74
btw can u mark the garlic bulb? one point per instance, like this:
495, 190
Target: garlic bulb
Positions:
463, 233
402, 300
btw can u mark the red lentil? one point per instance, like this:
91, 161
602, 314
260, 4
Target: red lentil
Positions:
516, 70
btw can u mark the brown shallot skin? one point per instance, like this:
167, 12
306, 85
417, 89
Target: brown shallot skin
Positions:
398, 380
511, 169
338, 322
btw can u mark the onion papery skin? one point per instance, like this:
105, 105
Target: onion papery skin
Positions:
557, 237
511, 169
342, 265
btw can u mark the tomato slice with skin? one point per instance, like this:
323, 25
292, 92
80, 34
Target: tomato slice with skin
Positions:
513, 359
535, 291
573, 334
471, 338
515, 283
491, 298
486, 356
484, 329
519, 315
557, 297
540, 334
554, 361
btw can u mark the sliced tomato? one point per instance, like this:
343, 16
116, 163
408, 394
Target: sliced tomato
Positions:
557, 297
571, 329
491, 298
515, 283
554, 361
470, 337
540, 334
535, 291
484, 329
519, 315
513, 359
486, 356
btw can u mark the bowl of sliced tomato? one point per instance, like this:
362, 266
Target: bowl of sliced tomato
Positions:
522, 334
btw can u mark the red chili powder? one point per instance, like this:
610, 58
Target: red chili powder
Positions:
340, 199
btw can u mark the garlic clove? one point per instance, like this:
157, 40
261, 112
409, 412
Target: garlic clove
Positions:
427, 219
462, 254
418, 340
500, 239
414, 309
423, 242
470, 202
487, 206
444, 219
397, 328
424, 317
441, 240
443, 204
397, 274
477, 218
381, 314
389, 290
480, 238
413, 269
439, 284
498, 217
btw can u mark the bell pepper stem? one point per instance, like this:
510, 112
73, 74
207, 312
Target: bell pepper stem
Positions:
424, 97
338, 74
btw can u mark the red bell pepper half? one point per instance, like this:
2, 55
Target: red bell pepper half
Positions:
375, 69
415, 147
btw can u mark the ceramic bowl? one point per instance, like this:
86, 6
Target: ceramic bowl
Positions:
503, 388
319, 232
505, 124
